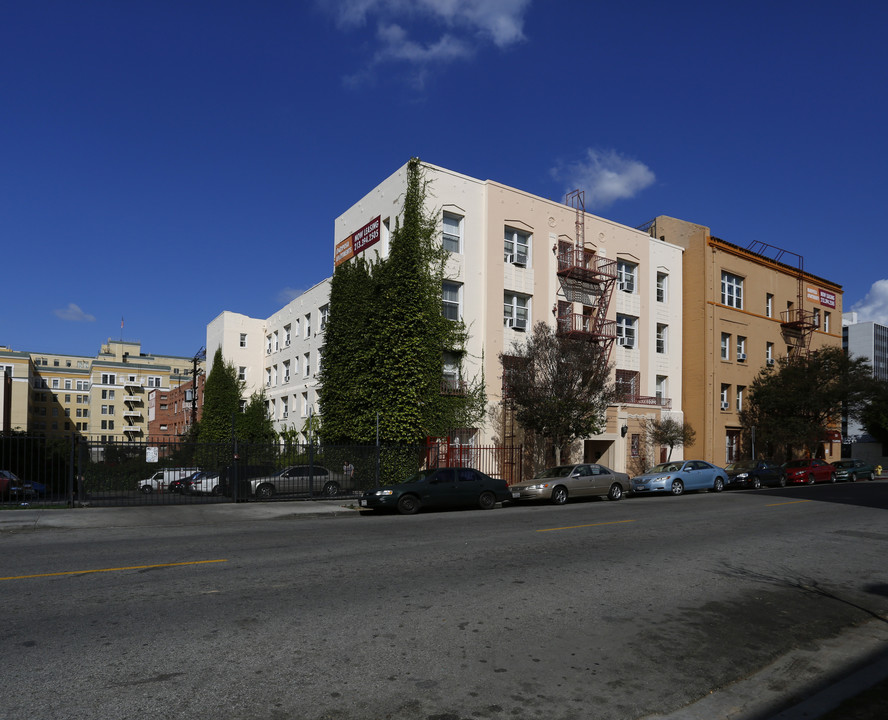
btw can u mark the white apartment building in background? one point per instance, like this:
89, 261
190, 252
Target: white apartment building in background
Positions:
868, 340
281, 354
503, 277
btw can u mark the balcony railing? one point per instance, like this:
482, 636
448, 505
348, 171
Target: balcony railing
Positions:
453, 386
588, 326
798, 319
629, 399
586, 265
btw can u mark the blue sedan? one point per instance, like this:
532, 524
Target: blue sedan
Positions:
681, 475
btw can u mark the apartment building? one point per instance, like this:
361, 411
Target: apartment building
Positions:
868, 340
173, 411
512, 257
99, 398
280, 355
743, 308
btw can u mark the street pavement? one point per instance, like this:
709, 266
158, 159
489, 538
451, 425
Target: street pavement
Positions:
761, 696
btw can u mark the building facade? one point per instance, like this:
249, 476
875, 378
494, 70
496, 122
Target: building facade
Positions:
510, 259
868, 340
101, 398
743, 309
280, 355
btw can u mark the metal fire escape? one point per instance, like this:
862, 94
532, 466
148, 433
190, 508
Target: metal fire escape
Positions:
587, 283
796, 323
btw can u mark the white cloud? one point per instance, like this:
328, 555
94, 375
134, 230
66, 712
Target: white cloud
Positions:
874, 306
287, 295
449, 29
73, 313
606, 176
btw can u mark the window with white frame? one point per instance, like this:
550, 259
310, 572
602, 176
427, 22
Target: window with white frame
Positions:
451, 300
450, 371
286, 336
741, 391
267, 377
242, 373
55, 383
662, 287
661, 388
725, 391
626, 328
268, 344
769, 353
769, 305
452, 237
274, 375
325, 316
627, 276
308, 325
662, 336
741, 348
732, 290
515, 310
285, 408
306, 365
826, 321
516, 246
725, 346
243, 339
305, 404
67, 384
817, 317
286, 371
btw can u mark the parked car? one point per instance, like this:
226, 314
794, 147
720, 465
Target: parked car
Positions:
854, 470
681, 475
557, 484
203, 482
755, 473
27, 490
300, 479
809, 470
8, 481
163, 479
439, 488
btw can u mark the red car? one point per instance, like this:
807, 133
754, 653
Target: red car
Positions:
809, 471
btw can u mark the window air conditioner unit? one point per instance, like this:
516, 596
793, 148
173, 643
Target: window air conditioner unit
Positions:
508, 257
724, 406
521, 259
286, 415
286, 378
519, 324
510, 322
741, 357
287, 343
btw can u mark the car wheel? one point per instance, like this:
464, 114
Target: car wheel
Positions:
408, 505
487, 500
810, 479
782, 481
756, 484
852, 477
616, 492
718, 485
559, 495
265, 492
147, 489
331, 489
832, 477
677, 487
872, 476
217, 490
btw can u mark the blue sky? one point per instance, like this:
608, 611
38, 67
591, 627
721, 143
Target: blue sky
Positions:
163, 161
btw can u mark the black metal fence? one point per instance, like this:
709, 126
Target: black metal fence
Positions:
73, 472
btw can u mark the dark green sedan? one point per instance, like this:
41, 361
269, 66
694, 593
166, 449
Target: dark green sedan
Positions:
438, 488
853, 470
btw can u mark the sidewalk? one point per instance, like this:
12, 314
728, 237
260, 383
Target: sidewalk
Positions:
24, 519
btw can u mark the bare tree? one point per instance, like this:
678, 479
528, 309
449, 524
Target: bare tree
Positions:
560, 388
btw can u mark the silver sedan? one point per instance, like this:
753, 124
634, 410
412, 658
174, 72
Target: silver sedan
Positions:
557, 484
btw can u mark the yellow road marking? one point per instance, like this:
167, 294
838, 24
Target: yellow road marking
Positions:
101, 570
572, 527
791, 502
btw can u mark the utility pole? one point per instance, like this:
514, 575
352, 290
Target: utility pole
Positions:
195, 372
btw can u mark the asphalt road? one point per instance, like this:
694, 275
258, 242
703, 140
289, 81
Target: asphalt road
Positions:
591, 610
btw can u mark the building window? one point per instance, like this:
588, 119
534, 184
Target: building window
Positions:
452, 239
450, 362
277, 345
516, 247
325, 316
817, 317
450, 297
308, 325
67, 384
741, 391
662, 286
242, 373
725, 392
769, 305
243, 340
732, 446
627, 276
725, 346
626, 383
634, 444
305, 404
741, 348
732, 290
268, 344
515, 311
267, 377
286, 336
769, 353
306, 365
626, 325
662, 333
661, 388
108, 379
826, 321
286, 371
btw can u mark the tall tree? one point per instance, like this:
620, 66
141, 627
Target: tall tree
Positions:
253, 424
874, 415
557, 388
792, 404
222, 396
385, 338
669, 432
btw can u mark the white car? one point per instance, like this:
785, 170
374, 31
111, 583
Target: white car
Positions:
204, 483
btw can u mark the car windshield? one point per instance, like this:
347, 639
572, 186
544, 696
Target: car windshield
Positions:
738, 467
844, 463
420, 477
554, 472
666, 467
796, 464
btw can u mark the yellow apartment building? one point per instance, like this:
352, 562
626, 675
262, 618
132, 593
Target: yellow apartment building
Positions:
743, 308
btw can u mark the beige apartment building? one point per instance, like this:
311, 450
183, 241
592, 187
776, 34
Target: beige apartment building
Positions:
743, 309
101, 398
517, 259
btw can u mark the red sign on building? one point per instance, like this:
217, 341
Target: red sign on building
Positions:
357, 242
